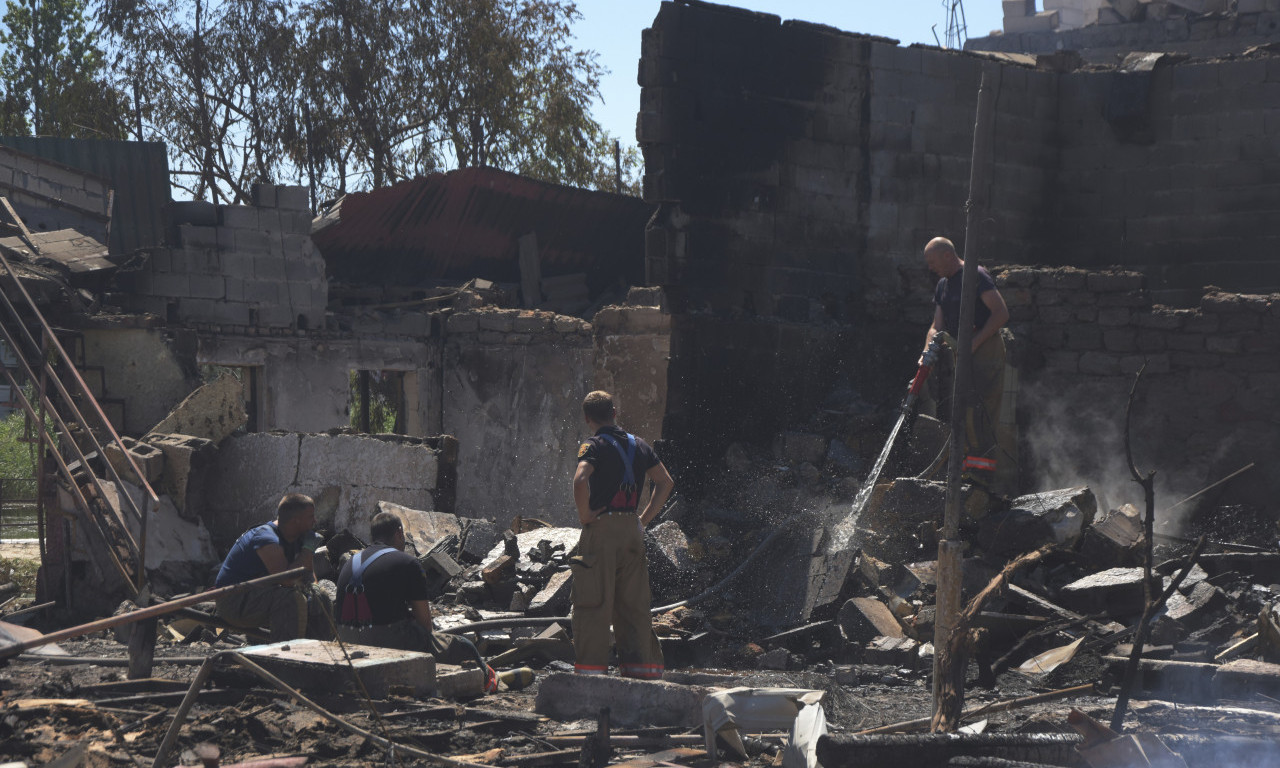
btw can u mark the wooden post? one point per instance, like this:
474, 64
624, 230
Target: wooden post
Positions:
949, 547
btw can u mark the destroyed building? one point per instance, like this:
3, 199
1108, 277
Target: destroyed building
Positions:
759, 310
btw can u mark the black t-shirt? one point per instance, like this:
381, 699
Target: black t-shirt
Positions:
607, 474
947, 296
390, 582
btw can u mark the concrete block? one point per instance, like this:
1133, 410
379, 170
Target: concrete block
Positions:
631, 703
192, 236
553, 599
458, 683
207, 287
187, 460
463, 323
269, 267
254, 241
264, 195
261, 292
318, 666
239, 216
1115, 592
201, 213
148, 458
294, 199
496, 320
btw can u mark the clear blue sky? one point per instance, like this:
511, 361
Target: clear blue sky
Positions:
612, 29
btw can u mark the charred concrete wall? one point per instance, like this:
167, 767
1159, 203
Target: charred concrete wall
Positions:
137, 374
798, 171
347, 475
512, 388
1171, 172
1256, 22
1206, 405
238, 265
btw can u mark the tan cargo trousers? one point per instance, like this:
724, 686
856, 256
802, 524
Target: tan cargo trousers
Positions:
611, 586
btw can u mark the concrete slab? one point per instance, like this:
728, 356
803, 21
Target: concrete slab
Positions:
1052, 517
213, 411
631, 703
319, 666
566, 537
553, 599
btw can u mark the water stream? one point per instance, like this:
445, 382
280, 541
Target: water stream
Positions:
847, 527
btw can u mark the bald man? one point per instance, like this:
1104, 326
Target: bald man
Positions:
982, 450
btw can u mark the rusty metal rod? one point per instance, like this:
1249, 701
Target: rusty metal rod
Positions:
147, 613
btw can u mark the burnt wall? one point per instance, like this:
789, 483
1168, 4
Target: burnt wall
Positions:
1206, 404
798, 170
1172, 172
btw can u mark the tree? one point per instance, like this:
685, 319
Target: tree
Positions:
353, 94
53, 74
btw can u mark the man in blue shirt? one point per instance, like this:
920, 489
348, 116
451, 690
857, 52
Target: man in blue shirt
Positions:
288, 542
982, 446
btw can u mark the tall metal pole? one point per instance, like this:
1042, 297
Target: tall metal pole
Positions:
950, 547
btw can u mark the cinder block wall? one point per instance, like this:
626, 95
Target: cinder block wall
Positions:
1171, 172
1206, 405
240, 267
798, 171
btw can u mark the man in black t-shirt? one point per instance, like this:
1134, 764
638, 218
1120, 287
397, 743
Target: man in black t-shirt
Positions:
398, 611
984, 451
610, 574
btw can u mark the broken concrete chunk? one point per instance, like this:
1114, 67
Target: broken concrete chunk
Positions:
317, 665
776, 659
1202, 598
478, 537
553, 599
1115, 540
528, 542
499, 570
423, 528
631, 703
213, 411
891, 523
1053, 517
1115, 591
864, 618
892, 651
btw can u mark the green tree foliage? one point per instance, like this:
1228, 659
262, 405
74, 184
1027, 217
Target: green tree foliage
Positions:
53, 74
361, 93
17, 457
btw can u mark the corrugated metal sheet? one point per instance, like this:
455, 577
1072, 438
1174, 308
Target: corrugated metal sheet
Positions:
466, 223
138, 172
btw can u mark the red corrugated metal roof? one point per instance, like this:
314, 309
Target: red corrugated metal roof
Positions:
466, 223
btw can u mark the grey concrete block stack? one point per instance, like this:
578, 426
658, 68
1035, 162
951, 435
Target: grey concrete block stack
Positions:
1211, 373
516, 327
241, 267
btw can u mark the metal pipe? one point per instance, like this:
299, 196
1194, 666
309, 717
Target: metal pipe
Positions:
147, 613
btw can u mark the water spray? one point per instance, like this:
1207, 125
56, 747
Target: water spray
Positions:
927, 361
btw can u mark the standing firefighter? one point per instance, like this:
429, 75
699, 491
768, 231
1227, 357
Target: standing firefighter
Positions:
982, 447
610, 575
